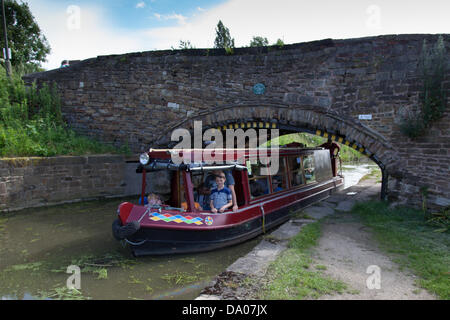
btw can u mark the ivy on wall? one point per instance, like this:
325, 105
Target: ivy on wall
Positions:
433, 68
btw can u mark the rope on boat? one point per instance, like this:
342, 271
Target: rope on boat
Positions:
142, 217
134, 243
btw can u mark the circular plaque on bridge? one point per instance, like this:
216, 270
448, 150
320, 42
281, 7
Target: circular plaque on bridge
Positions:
259, 88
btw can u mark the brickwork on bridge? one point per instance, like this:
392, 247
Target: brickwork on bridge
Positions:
139, 98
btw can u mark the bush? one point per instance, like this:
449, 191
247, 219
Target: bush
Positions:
31, 123
347, 154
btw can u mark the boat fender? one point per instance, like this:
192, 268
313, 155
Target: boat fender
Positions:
121, 232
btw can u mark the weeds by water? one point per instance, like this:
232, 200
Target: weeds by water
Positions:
404, 233
102, 273
440, 219
98, 265
31, 123
291, 276
32, 266
62, 293
182, 278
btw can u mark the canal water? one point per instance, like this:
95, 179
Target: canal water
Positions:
354, 172
38, 245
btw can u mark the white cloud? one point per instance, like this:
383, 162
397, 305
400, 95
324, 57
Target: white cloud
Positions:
140, 5
95, 36
181, 20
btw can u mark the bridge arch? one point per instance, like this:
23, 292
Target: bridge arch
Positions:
290, 119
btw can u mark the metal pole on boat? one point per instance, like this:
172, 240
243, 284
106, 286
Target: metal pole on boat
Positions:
143, 185
5, 33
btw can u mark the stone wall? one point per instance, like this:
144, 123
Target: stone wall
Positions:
31, 182
139, 98
34, 182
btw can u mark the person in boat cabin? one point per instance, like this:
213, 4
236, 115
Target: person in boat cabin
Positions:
202, 198
221, 198
210, 183
276, 185
154, 200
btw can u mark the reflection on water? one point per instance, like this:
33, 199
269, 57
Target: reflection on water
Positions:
26, 296
354, 172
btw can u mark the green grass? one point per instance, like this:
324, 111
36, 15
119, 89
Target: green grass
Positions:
375, 173
404, 234
292, 276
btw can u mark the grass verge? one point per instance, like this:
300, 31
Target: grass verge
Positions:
292, 276
374, 174
403, 233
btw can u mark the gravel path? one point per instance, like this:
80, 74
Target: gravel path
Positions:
349, 253
346, 251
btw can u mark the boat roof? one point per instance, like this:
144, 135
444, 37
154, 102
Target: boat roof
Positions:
235, 154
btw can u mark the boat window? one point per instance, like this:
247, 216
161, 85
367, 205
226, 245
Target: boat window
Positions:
258, 183
295, 170
279, 180
308, 166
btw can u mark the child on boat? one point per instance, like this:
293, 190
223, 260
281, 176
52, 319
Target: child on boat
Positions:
221, 198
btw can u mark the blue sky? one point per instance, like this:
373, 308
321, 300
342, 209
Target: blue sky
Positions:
81, 29
138, 14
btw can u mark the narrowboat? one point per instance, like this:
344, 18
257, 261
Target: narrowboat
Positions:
185, 224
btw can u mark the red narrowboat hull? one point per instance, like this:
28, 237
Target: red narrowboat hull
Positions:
169, 231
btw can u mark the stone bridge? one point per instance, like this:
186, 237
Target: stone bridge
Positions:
321, 87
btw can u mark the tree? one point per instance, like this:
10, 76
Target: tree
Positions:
29, 47
185, 45
223, 38
259, 42
279, 43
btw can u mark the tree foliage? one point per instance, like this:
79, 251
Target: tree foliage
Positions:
223, 37
185, 45
29, 47
279, 43
259, 42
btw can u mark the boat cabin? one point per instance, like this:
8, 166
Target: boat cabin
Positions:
297, 168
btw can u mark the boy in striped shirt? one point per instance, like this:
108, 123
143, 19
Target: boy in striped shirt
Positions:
221, 198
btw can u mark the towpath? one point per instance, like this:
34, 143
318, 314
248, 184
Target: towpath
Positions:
346, 250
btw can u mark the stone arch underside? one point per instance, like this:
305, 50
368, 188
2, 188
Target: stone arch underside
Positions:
292, 118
